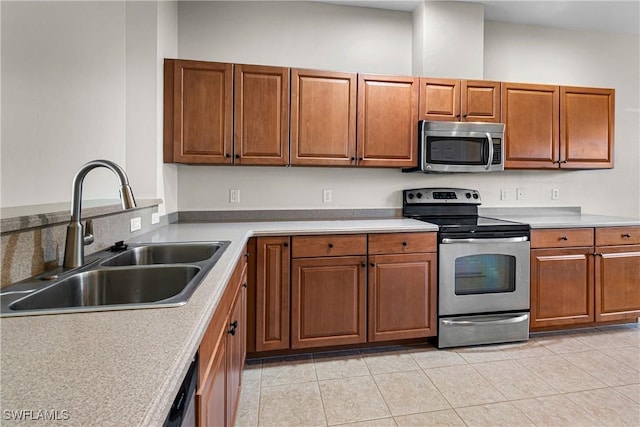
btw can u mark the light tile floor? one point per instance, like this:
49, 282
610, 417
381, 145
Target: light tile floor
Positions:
588, 377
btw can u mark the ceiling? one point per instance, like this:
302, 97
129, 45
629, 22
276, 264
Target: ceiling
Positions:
600, 16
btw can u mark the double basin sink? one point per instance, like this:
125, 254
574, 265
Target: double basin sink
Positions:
137, 276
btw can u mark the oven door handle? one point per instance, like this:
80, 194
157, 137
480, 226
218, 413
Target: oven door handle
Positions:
487, 240
502, 320
490, 159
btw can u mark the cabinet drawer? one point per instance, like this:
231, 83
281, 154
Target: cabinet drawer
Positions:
331, 245
398, 243
609, 236
561, 237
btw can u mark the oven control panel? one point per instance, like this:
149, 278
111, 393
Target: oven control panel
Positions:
441, 196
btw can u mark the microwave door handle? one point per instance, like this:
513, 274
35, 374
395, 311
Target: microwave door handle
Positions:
490, 141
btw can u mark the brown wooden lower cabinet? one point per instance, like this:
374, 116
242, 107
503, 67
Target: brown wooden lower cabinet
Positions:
221, 356
402, 296
596, 282
211, 395
272, 293
328, 304
562, 287
617, 288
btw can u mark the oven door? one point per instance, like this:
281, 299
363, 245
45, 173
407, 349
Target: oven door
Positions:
483, 275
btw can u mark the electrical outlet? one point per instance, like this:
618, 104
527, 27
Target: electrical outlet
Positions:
503, 194
234, 195
519, 194
155, 218
326, 196
555, 193
136, 224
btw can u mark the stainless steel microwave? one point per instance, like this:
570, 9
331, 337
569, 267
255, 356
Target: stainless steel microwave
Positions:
460, 147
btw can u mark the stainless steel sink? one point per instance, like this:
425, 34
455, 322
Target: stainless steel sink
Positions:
175, 253
111, 287
141, 276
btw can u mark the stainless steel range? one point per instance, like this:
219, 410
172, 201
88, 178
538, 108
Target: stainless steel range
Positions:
483, 268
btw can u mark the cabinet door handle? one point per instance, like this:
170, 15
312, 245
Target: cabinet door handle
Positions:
373, 264
286, 245
330, 245
353, 159
404, 243
244, 285
233, 325
563, 161
246, 255
237, 156
361, 158
596, 254
626, 236
564, 238
458, 116
465, 116
227, 155
364, 264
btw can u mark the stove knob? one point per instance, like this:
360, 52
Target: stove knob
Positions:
475, 195
468, 195
410, 196
419, 195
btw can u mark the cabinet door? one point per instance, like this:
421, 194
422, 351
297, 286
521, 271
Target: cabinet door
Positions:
261, 115
323, 118
531, 115
439, 99
328, 301
197, 112
387, 121
235, 353
617, 282
210, 397
272, 293
402, 296
562, 287
586, 127
480, 101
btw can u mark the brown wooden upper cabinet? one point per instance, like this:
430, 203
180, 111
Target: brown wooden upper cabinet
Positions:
586, 127
323, 118
387, 120
550, 127
459, 100
199, 114
261, 115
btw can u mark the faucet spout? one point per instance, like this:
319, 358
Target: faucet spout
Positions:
74, 245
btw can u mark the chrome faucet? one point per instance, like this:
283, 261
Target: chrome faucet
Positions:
76, 235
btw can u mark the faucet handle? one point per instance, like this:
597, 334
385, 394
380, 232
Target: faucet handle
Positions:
88, 233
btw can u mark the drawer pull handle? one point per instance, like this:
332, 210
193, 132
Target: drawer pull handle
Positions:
564, 238
330, 245
626, 235
404, 243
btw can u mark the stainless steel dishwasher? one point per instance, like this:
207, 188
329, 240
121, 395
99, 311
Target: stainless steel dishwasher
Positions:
183, 409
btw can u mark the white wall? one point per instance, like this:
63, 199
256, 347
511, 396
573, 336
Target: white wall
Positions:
448, 39
272, 34
84, 80
296, 34
63, 98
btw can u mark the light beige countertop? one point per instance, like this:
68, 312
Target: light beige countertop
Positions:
117, 368
559, 218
